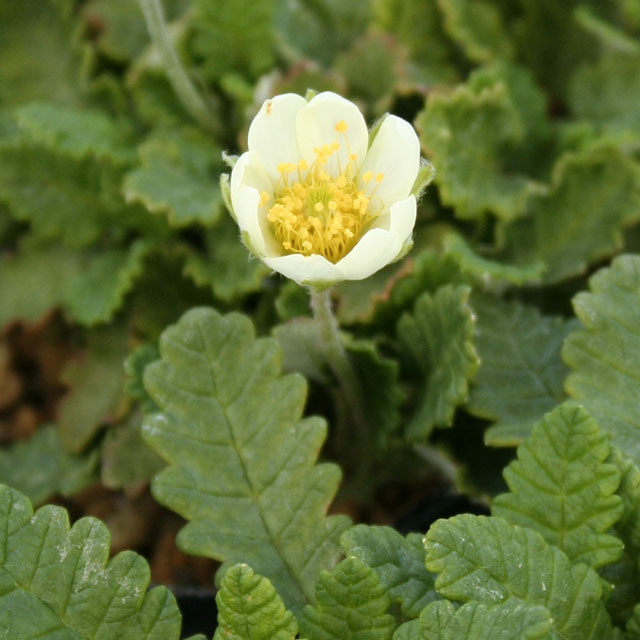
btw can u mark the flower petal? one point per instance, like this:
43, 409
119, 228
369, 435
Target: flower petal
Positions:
316, 125
376, 249
395, 152
245, 205
248, 170
403, 218
272, 134
305, 269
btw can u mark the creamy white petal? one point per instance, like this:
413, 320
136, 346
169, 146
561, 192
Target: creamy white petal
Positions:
246, 206
375, 250
403, 218
395, 152
305, 269
272, 134
248, 171
316, 125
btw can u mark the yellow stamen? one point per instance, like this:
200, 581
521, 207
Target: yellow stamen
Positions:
341, 126
321, 211
379, 177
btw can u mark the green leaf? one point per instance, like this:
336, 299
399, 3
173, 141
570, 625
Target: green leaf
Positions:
64, 199
478, 28
249, 608
418, 26
127, 461
469, 137
408, 631
378, 377
42, 55
593, 196
521, 372
491, 561
178, 177
561, 487
439, 340
398, 561
373, 67
608, 92
35, 281
477, 621
351, 604
223, 405
134, 367
426, 271
94, 296
55, 582
230, 36
303, 348
40, 467
318, 30
227, 268
95, 380
76, 132
624, 575
605, 355
484, 269
123, 33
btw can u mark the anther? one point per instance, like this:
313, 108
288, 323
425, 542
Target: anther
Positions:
379, 177
264, 198
367, 175
318, 206
341, 126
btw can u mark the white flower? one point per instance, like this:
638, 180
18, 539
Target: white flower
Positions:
318, 201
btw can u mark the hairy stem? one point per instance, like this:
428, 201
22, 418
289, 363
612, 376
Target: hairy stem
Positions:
180, 81
348, 380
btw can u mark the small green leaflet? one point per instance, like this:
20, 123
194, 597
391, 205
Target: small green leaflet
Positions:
57, 582
521, 372
351, 604
605, 355
562, 487
490, 561
398, 561
249, 608
438, 337
224, 405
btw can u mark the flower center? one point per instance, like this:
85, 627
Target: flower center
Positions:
314, 212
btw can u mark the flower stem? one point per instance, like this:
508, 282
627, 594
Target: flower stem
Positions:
180, 81
351, 388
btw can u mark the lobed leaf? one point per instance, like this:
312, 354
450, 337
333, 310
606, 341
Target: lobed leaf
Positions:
490, 561
478, 621
439, 338
178, 177
398, 561
351, 604
561, 487
521, 372
249, 608
468, 136
224, 405
56, 582
593, 196
605, 355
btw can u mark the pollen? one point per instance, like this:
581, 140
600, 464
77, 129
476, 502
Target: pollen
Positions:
318, 210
